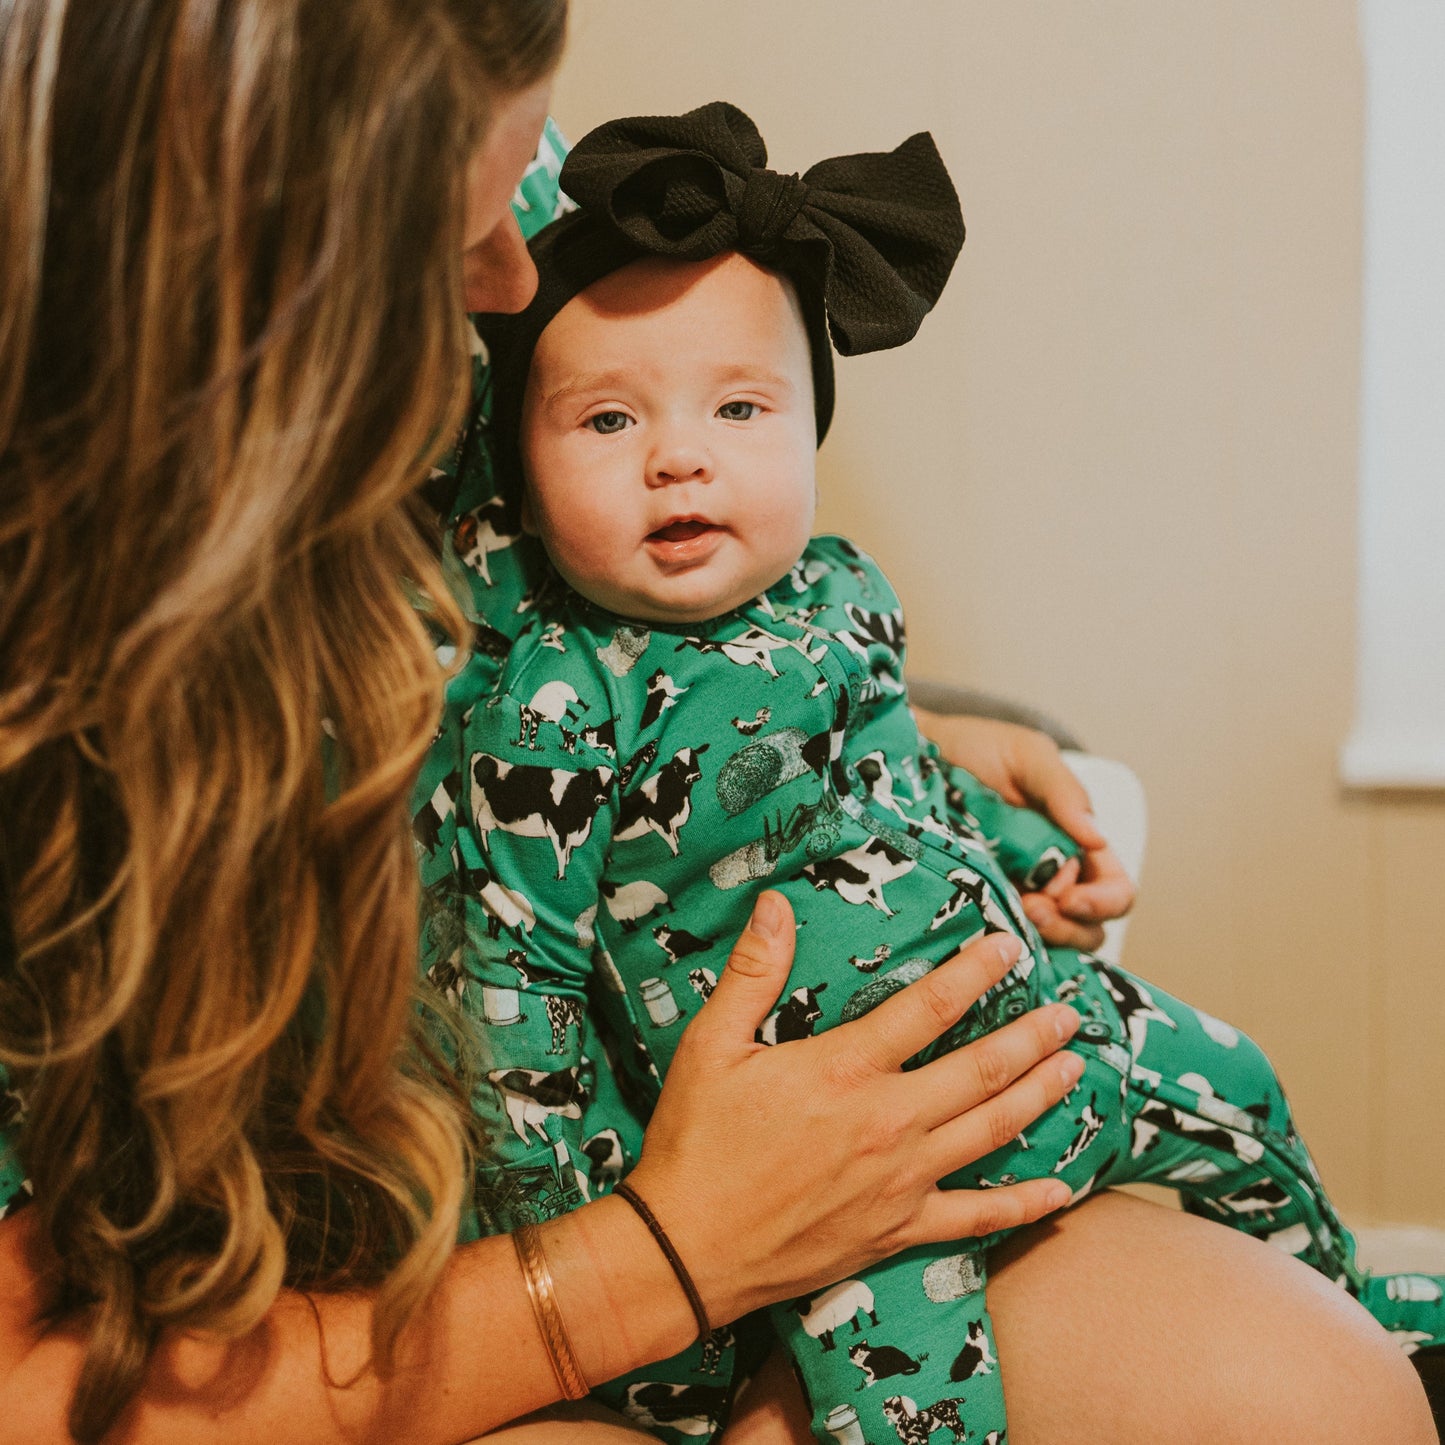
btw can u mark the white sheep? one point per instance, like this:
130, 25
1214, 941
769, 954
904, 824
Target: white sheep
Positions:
628, 902
837, 1305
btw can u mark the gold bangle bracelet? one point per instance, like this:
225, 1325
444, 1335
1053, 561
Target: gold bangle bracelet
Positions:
543, 1294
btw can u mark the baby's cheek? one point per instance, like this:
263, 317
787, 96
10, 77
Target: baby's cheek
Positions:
589, 546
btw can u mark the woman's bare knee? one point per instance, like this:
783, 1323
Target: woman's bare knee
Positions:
1125, 1323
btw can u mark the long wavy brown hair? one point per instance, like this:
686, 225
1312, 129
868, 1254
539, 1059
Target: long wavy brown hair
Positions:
231, 338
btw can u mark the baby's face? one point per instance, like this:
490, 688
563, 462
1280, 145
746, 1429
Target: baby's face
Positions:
668, 438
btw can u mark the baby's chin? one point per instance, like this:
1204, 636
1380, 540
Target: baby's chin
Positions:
679, 601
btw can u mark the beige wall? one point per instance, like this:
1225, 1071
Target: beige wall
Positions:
1115, 474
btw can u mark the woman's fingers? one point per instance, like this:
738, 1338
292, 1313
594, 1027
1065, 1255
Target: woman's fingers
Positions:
756, 972
969, 1136
971, 1076
915, 1016
1049, 785
967, 1213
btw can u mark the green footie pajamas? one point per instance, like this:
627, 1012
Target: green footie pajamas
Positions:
618, 795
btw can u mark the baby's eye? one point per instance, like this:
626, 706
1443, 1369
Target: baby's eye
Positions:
738, 410
609, 423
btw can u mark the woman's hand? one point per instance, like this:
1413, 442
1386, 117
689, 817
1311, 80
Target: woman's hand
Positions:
777, 1170
1024, 767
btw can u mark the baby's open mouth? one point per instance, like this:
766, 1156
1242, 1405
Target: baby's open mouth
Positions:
681, 531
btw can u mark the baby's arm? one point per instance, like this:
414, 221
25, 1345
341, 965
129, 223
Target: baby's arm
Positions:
1030, 849
1026, 768
1035, 855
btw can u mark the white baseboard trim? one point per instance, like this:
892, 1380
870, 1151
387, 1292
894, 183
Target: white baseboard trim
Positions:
1383, 1248
1401, 1248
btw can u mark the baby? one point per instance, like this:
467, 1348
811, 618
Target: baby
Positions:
706, 702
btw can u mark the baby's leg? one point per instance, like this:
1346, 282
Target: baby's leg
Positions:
904, 1349
1211, 1120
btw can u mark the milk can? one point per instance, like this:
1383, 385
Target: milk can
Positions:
661, 1006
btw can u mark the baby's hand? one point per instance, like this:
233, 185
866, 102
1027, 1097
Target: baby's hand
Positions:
1071, 909
1025, 768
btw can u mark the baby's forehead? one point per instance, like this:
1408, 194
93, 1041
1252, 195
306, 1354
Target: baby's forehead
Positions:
728, 293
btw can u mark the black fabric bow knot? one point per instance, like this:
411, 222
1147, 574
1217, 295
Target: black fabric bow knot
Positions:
875, 235
867, 240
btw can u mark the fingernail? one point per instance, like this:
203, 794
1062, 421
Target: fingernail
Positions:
1066, 1021
767, 921
1083, 910
1060, 1195
1008, 947
1071, 1068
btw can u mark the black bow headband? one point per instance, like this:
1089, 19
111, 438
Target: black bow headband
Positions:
867, 240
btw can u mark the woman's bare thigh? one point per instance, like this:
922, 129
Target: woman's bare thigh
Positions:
1121, 1323
1126, 1323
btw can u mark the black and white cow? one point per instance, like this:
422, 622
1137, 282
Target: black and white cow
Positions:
915, 1424
970, 887
662, 693
859, 875
795, 1019
1090, 1124
688, 1409
662, 803
877, 779
1136, 1005
482, 531
975, 1358
824, 750
751, 729
1264, 1196
530, 1095
1156, 1117
878, 629
604, 1149
562, 1012
678, 943
753, 647
644, 757
1045, 870
427, 825
533, 802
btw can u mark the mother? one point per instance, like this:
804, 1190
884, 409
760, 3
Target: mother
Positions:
230, 259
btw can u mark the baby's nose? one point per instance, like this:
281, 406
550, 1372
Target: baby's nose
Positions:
679, 461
